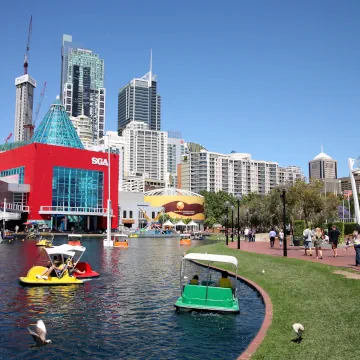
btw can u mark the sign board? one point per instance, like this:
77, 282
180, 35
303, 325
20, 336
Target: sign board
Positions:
99, 161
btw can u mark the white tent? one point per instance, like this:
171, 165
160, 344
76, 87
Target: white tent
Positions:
192, 223
168, 223
180, 223
217, 226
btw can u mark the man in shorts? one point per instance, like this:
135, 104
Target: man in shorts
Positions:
334, 238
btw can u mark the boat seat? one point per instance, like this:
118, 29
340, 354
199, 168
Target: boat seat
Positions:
196, 294
218, 295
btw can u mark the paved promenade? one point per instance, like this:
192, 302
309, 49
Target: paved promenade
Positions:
345, 258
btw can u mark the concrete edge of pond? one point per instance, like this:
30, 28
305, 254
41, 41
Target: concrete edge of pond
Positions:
255, 343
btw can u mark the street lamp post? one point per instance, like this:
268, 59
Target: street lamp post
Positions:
238, 220
284, 220
227, 222
4, 214
232, 223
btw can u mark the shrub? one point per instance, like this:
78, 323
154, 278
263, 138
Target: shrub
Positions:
349, 228
299, 227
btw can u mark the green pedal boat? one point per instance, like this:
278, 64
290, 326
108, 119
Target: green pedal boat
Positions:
206, 296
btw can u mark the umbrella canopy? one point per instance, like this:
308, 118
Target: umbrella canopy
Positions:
30, 223
192, 223
168, 223
180, 223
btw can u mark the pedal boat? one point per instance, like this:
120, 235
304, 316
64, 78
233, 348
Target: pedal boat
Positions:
185, 239
45, 242
74, 239
61, 278
76, 264
133, 235
120, 240
206, 297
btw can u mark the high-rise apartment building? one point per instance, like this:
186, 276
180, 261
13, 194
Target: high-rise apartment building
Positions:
83, 127
235, 173
322, 167
145, 151
290, 174
139, 101
82, 84
25, 86
175, 148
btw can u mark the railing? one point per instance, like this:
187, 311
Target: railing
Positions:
72, 210
14, 207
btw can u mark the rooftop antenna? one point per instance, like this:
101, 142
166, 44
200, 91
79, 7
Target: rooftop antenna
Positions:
150, 73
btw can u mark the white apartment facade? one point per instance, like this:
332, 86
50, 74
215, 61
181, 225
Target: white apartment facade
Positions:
175, 149
145, 151
235, 173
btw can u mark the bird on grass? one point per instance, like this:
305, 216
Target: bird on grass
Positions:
40, 334
263, 272
299, 329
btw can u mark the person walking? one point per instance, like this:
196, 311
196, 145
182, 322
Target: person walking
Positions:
307, 241
253, 234
318, 241
281, 237
246, 233
334, 239
272, 235
16, 229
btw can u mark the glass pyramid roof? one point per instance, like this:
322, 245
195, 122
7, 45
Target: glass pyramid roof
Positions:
57, 129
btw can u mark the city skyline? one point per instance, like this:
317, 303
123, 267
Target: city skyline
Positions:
299, 92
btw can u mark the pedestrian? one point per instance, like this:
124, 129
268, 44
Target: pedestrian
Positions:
307, 241
318, 241
272, 235
246, 233
250, 235
281, 237
357, 251
253, 235
16, 229
334, 239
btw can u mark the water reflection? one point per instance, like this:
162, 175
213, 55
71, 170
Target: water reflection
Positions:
126, 313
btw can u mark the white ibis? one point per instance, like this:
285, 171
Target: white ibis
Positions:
299, 329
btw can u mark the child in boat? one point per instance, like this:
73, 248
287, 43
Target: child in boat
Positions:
194, 280
73, 269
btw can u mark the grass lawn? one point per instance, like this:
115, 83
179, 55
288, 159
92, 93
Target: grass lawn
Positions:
302, 291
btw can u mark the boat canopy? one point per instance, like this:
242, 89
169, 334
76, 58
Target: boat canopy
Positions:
211, 257
57, 251
119, 236
67, 247
75, 235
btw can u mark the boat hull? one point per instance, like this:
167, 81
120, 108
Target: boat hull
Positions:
32, 280
45, 243
121, 244
203, 298
74, 243
185, 242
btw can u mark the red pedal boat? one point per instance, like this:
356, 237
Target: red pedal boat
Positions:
89, 272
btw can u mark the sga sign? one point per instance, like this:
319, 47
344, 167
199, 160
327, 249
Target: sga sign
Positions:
99, 161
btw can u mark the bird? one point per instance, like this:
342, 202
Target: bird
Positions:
299, 329
263, 272
40, 335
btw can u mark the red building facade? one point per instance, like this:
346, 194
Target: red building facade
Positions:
65, 182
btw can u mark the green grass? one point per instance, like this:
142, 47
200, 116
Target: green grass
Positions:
302, 291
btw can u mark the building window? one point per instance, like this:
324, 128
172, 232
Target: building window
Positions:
124, 214
13, 172
77, 188
130, 214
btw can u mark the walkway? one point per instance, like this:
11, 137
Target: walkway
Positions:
345, 258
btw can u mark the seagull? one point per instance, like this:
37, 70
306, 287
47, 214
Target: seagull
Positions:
299, 329
40, 335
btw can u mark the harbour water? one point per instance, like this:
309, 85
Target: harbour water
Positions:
126, 313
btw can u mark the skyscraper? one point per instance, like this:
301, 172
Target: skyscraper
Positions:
82, 84
139, 101
25, 86
322, 166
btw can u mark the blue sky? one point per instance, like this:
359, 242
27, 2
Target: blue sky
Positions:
271, 78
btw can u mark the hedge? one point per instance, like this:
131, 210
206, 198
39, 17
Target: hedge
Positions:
350, 227
299, 227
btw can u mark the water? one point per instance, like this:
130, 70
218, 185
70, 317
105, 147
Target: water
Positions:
126, 313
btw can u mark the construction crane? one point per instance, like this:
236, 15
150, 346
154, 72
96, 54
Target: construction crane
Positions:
31, 127
26, 57
8, 138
